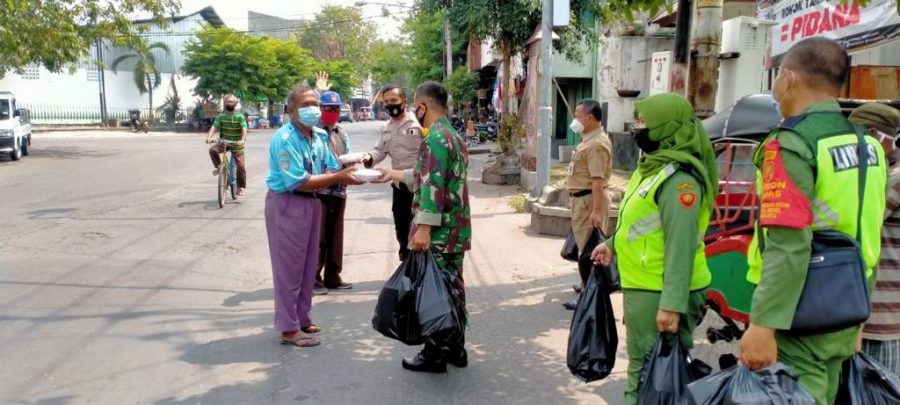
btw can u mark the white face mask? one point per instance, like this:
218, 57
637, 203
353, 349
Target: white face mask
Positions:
576, 126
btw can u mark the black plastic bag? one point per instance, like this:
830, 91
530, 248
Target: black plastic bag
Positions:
435, 306
667, 371
593, 339
774, 385
415, 303
866, 382
586, 264
570, 248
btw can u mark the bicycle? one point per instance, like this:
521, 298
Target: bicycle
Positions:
227, 178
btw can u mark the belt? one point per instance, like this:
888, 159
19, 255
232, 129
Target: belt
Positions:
580, 193
306, 194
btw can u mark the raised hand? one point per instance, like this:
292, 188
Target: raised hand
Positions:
322, 84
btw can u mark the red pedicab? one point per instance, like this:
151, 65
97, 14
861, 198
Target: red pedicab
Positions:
735, 134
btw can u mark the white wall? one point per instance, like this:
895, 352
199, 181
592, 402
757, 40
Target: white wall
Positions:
883, 55
624, 64
78, 95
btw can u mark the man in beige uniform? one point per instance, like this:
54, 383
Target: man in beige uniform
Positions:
588, 177
399, 138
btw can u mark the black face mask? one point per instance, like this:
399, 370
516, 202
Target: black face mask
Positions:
642, 138
394, 110
229, 107
421, 118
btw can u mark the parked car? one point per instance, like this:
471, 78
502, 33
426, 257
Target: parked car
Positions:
15, 130
346, 115
365, 114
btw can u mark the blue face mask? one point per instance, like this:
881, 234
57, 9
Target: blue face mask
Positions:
309, 116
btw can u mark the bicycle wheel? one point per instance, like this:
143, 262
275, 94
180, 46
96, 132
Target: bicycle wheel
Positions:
223, 183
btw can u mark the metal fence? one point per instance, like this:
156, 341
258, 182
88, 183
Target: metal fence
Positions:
61, 115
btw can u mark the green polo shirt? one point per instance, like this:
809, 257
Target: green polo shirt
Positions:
231, 126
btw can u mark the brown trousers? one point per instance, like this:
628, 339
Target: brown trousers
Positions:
215, 154
331, 242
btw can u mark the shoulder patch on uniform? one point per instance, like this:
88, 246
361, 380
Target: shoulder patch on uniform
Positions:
286, 165
686, 186
687, 198
782, 204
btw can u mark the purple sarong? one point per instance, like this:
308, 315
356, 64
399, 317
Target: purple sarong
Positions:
293, 224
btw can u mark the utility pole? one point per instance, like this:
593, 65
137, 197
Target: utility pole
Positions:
682, 47
449, 46
545, 111
101, 78
706, 38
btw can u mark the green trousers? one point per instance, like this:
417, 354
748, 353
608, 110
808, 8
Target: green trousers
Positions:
816, 360
640, 330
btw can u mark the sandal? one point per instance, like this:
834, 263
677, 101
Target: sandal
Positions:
301, 341
312, 328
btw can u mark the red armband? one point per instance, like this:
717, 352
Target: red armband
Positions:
782, 204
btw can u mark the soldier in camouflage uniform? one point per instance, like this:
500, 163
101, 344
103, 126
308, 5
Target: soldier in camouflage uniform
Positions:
441, 213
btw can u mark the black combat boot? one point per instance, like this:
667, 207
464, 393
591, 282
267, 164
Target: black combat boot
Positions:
456, 356
429, 360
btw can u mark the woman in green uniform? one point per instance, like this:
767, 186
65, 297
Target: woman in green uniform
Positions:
663, 217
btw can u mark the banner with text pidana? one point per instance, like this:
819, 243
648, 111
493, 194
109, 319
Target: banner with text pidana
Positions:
852, 25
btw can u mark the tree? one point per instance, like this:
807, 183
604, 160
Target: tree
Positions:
424, 32
226, 61
509, 23
342, 76
339, 33
462, 86
145, 72
57, 34
390, 62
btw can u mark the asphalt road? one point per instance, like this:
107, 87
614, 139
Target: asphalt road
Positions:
121, 281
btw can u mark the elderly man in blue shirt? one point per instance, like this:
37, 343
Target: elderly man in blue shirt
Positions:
300, 166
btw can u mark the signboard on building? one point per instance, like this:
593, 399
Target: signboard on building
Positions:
849, 23
660, 72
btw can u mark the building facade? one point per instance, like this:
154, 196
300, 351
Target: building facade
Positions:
73, 97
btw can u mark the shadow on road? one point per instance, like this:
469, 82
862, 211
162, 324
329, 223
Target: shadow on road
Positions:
208, 205
65, 152
510, 340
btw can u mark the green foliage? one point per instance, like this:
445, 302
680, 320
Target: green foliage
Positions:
462, 86
172, 102
511, 22
424, 29
339, 33
145, 73
390, 62
225, 61
144, 68
342, 75
57, 34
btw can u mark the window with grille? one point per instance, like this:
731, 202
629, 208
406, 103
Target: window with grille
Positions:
32, 72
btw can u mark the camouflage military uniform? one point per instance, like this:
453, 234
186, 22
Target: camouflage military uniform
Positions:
441, 199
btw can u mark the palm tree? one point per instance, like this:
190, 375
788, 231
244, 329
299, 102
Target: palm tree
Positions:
146, 73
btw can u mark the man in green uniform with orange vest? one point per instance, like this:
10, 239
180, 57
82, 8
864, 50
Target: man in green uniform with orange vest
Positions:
232, 127
663, 218
808, 175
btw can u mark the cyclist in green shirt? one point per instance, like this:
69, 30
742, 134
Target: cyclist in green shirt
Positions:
232, 126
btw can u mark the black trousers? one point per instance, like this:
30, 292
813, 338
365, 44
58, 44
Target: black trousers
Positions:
402, 209
331, 242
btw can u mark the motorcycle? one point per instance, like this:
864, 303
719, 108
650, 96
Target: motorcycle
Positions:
135, 122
